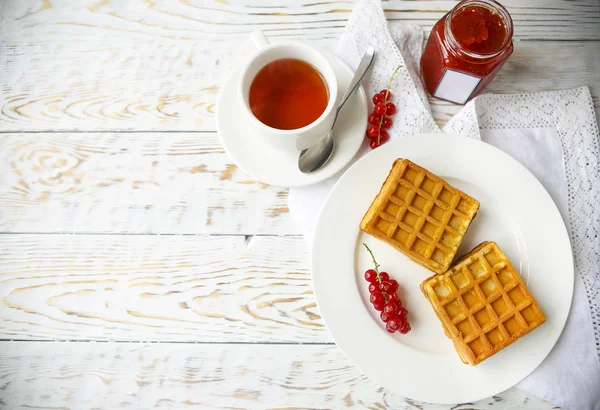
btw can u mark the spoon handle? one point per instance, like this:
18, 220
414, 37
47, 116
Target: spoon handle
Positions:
363, 68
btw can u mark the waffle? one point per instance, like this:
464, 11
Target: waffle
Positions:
482, 303
421, 215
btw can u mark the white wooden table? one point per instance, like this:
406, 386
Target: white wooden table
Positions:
139, 268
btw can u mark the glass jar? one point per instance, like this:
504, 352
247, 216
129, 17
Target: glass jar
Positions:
465, 50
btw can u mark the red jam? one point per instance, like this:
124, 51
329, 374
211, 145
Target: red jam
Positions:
465, 50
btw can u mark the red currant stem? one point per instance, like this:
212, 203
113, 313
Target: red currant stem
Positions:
379, 135
391, 80
374, 263
387, 92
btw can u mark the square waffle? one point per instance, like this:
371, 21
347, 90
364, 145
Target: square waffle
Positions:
421, 215
482, 303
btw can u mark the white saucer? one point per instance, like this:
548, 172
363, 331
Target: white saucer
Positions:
279, 168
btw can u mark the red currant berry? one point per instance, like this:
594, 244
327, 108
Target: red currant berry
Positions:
380, 109
386, 94
405, 328
373, 131
371, 276
384, 316
384, 276
402, 312
393, 325
390, 109
378, 99
378, 306
383, 139
394, 285
386, 287
391, 308
373, 287
374, 119
394, 298
377, 298
387, 122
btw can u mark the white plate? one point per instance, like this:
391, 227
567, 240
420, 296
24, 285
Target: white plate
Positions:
280, 168
516, 212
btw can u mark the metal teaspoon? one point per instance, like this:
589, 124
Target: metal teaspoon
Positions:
313, 158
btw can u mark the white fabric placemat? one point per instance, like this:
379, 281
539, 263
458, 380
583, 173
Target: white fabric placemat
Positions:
554, 134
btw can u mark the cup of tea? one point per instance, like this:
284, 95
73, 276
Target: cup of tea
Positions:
288, 92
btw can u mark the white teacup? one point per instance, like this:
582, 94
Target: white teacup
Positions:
296, 139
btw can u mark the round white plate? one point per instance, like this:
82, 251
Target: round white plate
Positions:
516, 212
279, 168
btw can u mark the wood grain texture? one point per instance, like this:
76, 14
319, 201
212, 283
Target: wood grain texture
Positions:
175, 376
132, 183
215, 20
157, 288
113, 66
138, 65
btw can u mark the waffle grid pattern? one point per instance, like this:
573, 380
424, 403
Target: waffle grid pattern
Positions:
422, 215
483, 303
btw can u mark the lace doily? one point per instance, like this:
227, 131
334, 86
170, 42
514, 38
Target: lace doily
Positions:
368, 27
571, 113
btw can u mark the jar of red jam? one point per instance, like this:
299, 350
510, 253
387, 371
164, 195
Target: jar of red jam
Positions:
465, 50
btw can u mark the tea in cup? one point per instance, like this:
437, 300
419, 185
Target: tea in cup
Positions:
289, 92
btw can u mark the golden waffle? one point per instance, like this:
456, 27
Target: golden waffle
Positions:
421, 215
482, 303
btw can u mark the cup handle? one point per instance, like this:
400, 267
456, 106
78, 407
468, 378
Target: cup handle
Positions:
259, 39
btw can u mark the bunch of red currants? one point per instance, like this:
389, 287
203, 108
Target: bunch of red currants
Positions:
384, 299
379, 119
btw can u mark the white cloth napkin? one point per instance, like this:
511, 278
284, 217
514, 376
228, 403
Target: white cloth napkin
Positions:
554, 134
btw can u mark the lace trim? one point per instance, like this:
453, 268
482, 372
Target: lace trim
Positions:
414, 114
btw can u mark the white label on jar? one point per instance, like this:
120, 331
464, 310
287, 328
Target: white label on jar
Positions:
456, 86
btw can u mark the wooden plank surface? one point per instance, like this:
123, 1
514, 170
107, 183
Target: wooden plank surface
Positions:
157, 288
93, 68
181, 376
217, 20
132, 183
